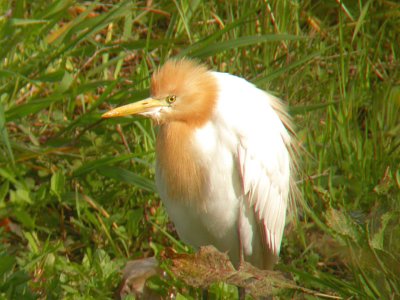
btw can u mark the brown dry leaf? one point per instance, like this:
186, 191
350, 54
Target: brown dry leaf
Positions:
135, 275
203, 268
208, 266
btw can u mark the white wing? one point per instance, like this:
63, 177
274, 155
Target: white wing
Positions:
265, 181
262, 143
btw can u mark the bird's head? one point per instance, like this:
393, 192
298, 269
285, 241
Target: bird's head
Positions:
181, 90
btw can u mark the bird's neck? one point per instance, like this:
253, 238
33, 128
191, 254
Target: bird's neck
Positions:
182, 174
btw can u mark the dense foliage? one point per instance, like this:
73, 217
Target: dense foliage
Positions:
77, 198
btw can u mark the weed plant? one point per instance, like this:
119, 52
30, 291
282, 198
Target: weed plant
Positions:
77, 196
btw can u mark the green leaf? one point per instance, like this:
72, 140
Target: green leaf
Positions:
24, 218
93, 165
361, 19
302, 109
7, 263
4, 188
10, 74
133, 218
16, 286
197, 47
4, 134
128, 177
65, 83
243, 42
57, 183
83, 28
6, 174
31, 107
54, 76
286, 69
26, 22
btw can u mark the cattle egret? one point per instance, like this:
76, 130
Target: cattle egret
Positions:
223, 167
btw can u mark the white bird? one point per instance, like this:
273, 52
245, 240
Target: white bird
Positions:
223, 167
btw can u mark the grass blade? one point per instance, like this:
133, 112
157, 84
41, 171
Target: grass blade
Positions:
126, 176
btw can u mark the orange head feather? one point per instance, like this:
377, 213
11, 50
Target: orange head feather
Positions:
183, 97
193, 86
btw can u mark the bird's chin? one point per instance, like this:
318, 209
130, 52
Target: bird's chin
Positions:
154, 114
151, 113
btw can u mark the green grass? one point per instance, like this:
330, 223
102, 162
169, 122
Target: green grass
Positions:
81, 202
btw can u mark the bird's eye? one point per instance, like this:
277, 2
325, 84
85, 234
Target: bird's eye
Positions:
171, 99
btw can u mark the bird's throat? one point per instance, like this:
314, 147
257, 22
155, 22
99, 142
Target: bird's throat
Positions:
180, 169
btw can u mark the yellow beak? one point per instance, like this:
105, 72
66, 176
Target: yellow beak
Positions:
141, 107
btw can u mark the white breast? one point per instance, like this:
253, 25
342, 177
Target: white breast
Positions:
214, 222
